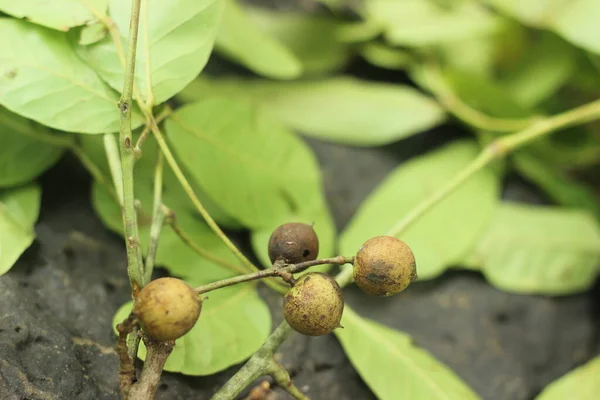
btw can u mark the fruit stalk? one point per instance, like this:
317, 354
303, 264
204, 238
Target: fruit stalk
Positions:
281, 271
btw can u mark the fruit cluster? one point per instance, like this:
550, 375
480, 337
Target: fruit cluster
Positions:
168, 308
383, 266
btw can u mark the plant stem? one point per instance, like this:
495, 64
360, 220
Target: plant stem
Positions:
93, 169
111, 148
126, 363
259, 364
282, 377
466, 113
132, 242
144, 135
497, 149
283, 272
156, 357
158, 218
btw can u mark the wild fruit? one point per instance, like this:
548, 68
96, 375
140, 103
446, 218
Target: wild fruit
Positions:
384, 266
293, 243
314, 305
167, 308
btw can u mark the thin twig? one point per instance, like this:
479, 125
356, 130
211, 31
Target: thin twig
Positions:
497, 149
282, 272
111, 149
144, 135
158, 218
132, 242
94, 170
126, 363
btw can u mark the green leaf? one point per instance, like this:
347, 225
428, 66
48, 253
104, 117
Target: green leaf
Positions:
385, 56
343, 109
50, 84
241, 40
542, 250
556, 183
543, 70
254, 168
22, 156
575, 20
233, 324
19, 210
313, 39
441, 237
92, 33
56, 14
323, 225
425, 22
582, 384
393, 366
175, 39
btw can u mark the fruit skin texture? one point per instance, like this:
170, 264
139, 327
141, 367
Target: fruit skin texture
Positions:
314, 305
167, 308
384, 266
294, 243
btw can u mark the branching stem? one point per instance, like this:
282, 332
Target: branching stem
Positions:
281, 271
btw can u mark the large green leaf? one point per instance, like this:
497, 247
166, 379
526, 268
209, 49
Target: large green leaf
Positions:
385, 56
426, 22
175, 39
575, 20
449, 229
233, 324
43, 79
323, 225
343, 109
582, 384
543, 70
393, 367
254, 168
556, 183
535, 249
22, 156
240, 39
57, 14
19, 209
313, 39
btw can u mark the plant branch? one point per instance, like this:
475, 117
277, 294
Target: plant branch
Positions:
111, 148
126, 363
284, 272
144, 135
156, 357
93, 169
497, 149
259, 364
465, 112
158, 218
132, 242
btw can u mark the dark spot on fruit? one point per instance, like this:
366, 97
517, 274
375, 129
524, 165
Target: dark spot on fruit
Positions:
306, 253
376, 278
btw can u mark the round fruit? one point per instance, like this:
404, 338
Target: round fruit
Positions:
384, 266
314, 305
293, 243
167, 308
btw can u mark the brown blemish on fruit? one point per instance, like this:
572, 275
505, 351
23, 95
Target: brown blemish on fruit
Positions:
384, 266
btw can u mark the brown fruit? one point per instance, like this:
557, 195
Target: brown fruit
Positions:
167, 308
293, 243
384, 266
314, 305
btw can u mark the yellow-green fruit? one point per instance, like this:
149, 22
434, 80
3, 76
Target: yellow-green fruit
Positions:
167, 308
384, 266
314, 305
